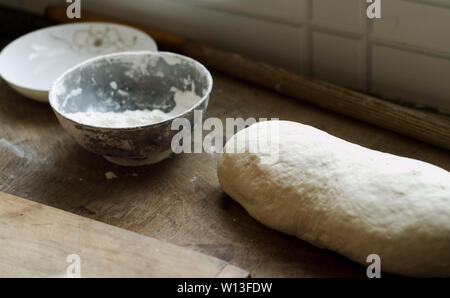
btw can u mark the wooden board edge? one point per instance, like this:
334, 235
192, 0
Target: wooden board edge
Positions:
231, 271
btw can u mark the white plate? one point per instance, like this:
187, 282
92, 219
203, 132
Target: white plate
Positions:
31, 63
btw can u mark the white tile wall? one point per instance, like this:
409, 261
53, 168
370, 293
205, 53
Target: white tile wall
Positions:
410, 58
342, 14
423, 78
285, 11
260, 39
414, 24
402, 56
338, 60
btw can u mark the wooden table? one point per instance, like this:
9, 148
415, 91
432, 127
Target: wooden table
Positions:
179, 200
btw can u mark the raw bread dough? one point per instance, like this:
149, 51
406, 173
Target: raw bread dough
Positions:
344, 197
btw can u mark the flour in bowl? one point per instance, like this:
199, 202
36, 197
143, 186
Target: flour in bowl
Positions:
184, 100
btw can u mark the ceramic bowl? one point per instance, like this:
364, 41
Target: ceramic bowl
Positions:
31, 63
148, 78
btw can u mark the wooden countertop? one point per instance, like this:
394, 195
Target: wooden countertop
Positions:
180, 200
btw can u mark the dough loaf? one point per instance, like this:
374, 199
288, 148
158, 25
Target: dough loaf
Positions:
344, 197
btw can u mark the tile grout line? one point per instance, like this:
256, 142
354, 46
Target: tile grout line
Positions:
368, 51
309, 36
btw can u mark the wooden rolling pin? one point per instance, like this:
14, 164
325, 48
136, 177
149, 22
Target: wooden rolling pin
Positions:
425, 126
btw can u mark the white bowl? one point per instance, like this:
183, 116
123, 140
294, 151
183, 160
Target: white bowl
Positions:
148, 79
31, 63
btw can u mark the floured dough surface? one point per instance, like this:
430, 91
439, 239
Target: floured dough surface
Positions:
344, 197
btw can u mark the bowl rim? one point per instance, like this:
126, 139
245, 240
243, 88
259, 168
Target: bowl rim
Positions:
13, 43
52, 96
